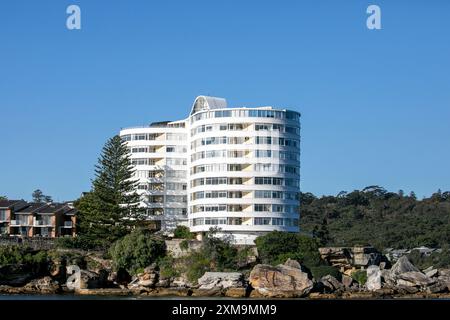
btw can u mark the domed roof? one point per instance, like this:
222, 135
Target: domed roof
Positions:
207, 103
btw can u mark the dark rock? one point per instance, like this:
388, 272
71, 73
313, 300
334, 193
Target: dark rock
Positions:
330, 283
44, 285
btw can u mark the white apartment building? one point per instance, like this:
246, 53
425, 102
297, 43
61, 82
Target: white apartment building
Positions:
237, 169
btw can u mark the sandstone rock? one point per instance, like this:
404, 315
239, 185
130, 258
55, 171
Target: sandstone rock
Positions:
280, 281
438, 287
444, 272
373, 278
170, 292
212, 292
236, 292
331, 283
347, 281
405, 289
431, 273
44, 285
403, 265
414, 278
292, 263
222, 280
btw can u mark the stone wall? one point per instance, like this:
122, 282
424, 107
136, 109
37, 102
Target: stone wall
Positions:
34, 243
174, 247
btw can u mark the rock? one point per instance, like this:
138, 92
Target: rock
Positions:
444, 280
121, 277
146, 279
405, 289
16, 280
444, 272
280, 281
373, 278
431, 273
222, 280
292, 263
414, 278
44, 285
347, 281
427, 269
403, 265
212, 292
438, 287
331, 283
236, 292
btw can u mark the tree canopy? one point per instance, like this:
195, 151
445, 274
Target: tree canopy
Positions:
377, 217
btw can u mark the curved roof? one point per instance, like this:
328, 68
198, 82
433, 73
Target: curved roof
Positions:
207, 103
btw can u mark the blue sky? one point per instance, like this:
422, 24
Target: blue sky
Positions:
375, 104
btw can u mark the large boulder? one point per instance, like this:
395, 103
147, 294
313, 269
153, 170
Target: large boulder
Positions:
401, 266
414, 279
223, 280
373, 278
281, 281
148, 278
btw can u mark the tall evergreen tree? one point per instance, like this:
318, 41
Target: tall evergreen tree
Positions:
111, 209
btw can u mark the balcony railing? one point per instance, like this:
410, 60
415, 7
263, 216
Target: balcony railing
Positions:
41, 223
19, 223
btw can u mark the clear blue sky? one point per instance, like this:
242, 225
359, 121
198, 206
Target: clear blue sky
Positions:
375, 104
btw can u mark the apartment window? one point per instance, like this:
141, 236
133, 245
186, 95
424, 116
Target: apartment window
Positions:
262, 221
126, 137
293, 130
263, 153
139, 149
215, 221
142, 187
263, 140
142, 136
235, 221
139, 162
262, 127
277, 221
235, 194
198, 221
277, 208
234, 180
234, 167
262, 207
269, 180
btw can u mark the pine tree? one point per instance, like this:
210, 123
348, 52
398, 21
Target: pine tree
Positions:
111, 209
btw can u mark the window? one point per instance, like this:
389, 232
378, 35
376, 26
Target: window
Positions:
277, 221
262, 207
2, 215
262, 221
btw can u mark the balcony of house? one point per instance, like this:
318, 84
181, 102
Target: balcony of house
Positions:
19, 223
42, 222
45, 232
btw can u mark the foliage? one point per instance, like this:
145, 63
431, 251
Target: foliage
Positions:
167, 267
3, 198
320, 271
39, 197
184, 245
111, 209
136, 250
73, 243
36, 260
436, 259
360, 276
377, 217
182, 232
219, 250
276, 247
197, 264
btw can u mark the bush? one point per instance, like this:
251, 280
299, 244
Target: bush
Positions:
276, 247
222, 254
360, 276
321, 271
184, 245
136, 250
74, 243
167, 267
197, 264
182, 232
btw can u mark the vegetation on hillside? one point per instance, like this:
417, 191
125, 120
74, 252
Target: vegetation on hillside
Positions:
377, 217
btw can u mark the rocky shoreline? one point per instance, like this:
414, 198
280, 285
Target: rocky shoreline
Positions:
288, 280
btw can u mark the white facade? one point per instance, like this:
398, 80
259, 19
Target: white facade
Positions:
237, 169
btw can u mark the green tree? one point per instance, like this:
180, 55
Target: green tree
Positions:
111, 209
137, 250
39, 197
275, 247
182, 232
3, 198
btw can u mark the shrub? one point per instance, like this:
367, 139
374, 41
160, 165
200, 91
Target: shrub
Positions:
79, 242
222, 254
184, 245
197, 264
360, 276
136, 250
167, 267
320, 271
182, 232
